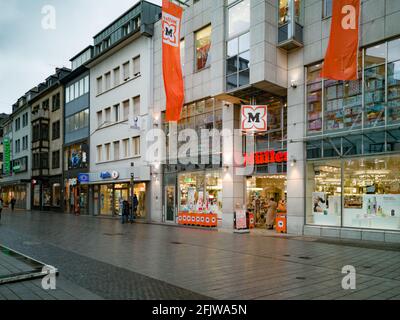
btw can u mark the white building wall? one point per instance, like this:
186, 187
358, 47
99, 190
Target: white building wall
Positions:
139, 86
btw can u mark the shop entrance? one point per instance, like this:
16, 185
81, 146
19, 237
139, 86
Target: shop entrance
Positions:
170, 201
121, 194
260, 189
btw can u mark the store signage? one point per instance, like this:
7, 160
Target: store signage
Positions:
105, 175
254, 118
83, 178
73, 182
115, 175
134, 123
265, 157
7, 155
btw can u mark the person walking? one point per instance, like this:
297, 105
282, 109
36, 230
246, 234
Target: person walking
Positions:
1, 207
125, 211
271, 213
13, 201
135, 204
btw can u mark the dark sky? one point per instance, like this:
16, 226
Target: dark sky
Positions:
29, 53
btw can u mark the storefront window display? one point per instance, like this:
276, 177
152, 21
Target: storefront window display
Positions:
324, 193
200, 192
356, 193
18, 192
76, 156
56, 194
372, 193
106, 200
140, 191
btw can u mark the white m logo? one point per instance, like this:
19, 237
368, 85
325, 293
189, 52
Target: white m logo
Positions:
349, 20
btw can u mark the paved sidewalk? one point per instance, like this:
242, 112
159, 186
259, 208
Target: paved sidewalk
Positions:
142, 261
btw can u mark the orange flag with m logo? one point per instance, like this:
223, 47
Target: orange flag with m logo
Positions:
341, 57
171, 56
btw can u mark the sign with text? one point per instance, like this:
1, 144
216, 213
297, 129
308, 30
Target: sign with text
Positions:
254, 118
266, 157
7, 156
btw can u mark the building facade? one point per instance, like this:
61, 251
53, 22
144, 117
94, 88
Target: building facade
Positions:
340, 139
16, 180
47, 143
76, 155
230, 58
121, 113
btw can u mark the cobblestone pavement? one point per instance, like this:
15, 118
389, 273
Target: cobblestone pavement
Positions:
141, 261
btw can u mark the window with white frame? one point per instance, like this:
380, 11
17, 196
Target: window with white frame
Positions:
99, 153
116, 150
117, 76
136, 66
125, 70
136, 146
126, 110
125, 144
136, 106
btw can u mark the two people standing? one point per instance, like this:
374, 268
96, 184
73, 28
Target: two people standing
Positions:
12, 204
129, 215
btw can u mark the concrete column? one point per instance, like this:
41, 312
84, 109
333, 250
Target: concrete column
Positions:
233, 184
296, 146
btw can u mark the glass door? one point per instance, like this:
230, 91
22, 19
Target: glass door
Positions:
170, 203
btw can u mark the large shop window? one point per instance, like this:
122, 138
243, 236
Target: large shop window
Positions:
355, 193
200, 192
334, 106
324, 193
203, 45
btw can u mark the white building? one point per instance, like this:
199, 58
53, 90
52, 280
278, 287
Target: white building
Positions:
121, 114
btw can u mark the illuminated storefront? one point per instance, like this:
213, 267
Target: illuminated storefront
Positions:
76, 161
353, 145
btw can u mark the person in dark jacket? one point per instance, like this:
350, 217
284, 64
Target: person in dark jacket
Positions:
135, 204
13, 201
125, 211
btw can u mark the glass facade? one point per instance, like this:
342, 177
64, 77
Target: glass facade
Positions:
359, 192
334, 106
200, 192
238, 45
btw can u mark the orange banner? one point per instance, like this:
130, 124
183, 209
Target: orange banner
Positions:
342, 54
172, 68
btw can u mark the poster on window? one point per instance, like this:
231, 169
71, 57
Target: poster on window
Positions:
319, 201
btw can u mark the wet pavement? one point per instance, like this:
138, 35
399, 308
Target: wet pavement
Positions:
112, 261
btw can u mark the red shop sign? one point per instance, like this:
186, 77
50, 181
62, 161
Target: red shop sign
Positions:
265, 157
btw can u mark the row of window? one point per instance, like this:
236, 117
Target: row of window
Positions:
371, 101
55, 104
77, 89
119, 112
77, 121
41, 160
130, 148
125, 30
113, 79
24, 122
24, 144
